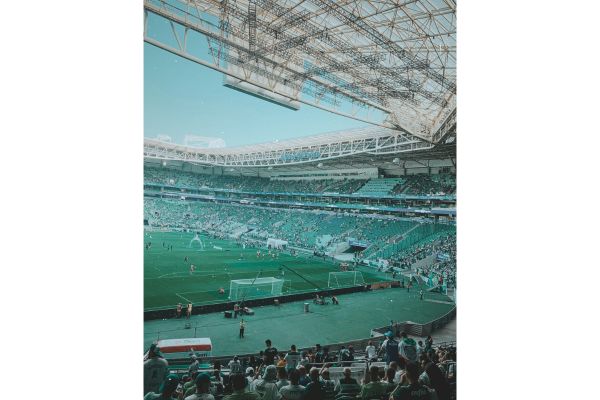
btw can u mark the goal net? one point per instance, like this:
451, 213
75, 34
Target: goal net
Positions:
196, 242
345, 279
252, 288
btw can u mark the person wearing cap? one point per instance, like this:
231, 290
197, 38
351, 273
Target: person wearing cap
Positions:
267, 386
238, 384
390, 347
202, 388
408, 348
156, 369
168, 389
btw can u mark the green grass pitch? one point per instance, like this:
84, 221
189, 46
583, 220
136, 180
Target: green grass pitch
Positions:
167, 278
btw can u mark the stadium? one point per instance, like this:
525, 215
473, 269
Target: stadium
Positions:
340, 243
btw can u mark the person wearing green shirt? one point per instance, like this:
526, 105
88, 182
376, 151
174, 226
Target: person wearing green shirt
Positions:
375, 388
168, 389
238, 383
347, 387
413, 390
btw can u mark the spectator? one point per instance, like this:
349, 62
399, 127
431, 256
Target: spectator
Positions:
249, 375
202, 388
401, 370
191, 383
408, 348
282, 377
293, 391
347, 388
315, 389
390, 347
436, 381
235, 367
304, 379
305, 360
155, 370
371, 352
319, 355
239, 383
345, 357
281, 361
292, 358
269, 353
390, 377
267, 386
412, 390
167, 389
374, 388
195, 365
428, 342
328, 384
394, 367
420, 348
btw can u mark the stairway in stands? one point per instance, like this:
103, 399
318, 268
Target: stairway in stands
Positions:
379, 187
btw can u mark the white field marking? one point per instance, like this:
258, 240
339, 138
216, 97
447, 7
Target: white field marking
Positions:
438, 301
197, 291
181, 297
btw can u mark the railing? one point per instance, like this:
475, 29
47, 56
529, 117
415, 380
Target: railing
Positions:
416, 329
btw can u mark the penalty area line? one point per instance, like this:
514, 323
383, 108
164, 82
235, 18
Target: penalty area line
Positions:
184, 299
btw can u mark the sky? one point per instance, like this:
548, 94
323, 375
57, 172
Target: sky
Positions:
182, 97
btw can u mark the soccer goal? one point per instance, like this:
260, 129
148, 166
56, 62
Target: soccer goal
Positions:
197, 241
345, 279
252, 288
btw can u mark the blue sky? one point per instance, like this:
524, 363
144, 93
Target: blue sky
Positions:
182, 97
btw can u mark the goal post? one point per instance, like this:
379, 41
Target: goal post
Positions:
252, 288
345, 279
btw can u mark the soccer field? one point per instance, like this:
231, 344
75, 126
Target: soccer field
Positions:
168, 281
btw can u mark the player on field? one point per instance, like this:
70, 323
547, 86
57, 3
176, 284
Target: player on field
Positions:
192, 268
242, 328
189, 311
179, 309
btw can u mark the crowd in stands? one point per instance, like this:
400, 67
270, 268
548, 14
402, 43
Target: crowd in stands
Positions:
164, 176
420, 184
398, 369
300, 228
442, 254
425, 184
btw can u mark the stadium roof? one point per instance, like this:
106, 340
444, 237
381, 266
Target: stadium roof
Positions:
360, 144
389, 63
